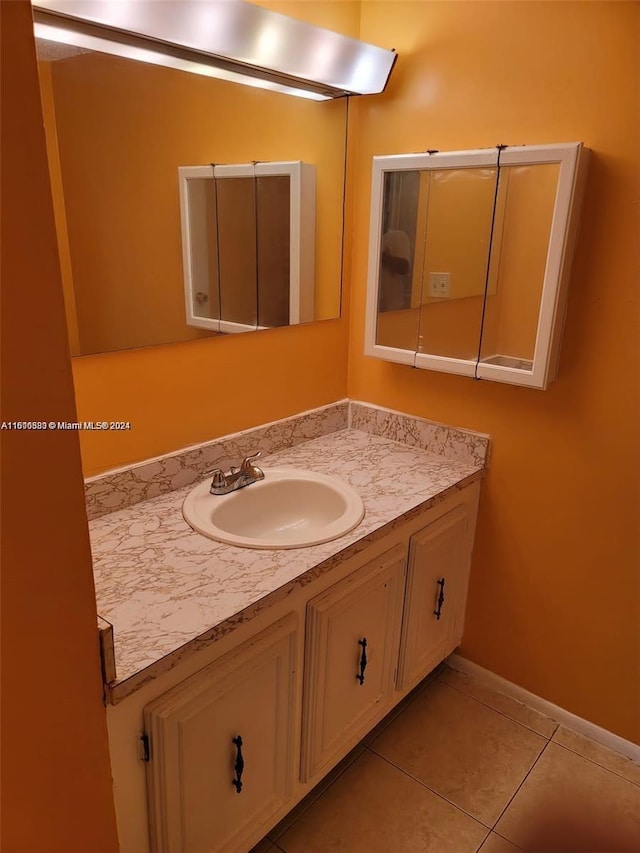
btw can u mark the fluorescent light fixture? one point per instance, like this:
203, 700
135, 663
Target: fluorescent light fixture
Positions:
142, 54
228, 39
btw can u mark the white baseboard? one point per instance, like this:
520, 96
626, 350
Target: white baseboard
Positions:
572, 721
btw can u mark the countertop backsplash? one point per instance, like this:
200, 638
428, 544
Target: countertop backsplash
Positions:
123, 487
462, 445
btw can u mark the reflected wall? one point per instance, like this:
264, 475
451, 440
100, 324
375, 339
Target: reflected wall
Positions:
118, 131
463, 254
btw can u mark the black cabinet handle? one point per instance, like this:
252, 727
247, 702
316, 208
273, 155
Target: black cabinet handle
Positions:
438, 613
239, 765
363, 660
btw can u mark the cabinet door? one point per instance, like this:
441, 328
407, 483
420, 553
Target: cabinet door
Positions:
435, 597
353, 632
250, 693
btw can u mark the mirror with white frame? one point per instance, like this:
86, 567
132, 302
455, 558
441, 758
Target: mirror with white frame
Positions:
117, 133
469, 259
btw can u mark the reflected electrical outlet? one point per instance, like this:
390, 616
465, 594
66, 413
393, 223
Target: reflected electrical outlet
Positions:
439, 284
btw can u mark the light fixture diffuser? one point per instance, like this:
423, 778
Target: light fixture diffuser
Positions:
229, 39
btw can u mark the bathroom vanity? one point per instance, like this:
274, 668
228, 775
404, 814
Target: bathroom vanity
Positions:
244, 676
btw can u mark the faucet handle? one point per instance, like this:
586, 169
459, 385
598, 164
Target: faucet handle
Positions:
251, 457
247, 468
218, 477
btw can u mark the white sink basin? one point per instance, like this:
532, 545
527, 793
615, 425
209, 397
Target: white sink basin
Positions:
290, 508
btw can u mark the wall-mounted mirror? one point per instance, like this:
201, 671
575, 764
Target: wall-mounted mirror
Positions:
117, 132
469, 259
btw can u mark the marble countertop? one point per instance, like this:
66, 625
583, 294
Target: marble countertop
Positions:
168, 591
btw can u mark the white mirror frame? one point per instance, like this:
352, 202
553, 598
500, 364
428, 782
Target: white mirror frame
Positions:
572, 160
302, 206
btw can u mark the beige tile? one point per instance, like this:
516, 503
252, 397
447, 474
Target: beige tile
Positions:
497, 844
264, 846
315, 793
375, 808
399, 708
533, 720
569, 804
600, 754
461, 749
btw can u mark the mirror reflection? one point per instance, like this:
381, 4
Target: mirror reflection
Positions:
434, 257
399, 282
235, 228
117, 131
453, 280
273, 249
524, 214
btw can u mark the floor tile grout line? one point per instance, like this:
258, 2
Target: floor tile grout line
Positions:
502, 713
432, 790
274, 839
491, 829
504, 838
482, 843
318, 797
552, 735
515, 793
406, 702
597, 763
409, 699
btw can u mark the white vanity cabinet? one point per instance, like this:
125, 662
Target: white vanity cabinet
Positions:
353, 632
294, 684
225, 759
436, 593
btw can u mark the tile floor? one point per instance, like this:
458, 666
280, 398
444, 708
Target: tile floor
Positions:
458, 768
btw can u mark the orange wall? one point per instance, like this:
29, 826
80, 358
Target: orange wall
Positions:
182, 394
179, 394
555, 592
56, 781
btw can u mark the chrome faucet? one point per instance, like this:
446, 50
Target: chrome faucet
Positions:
236, 478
